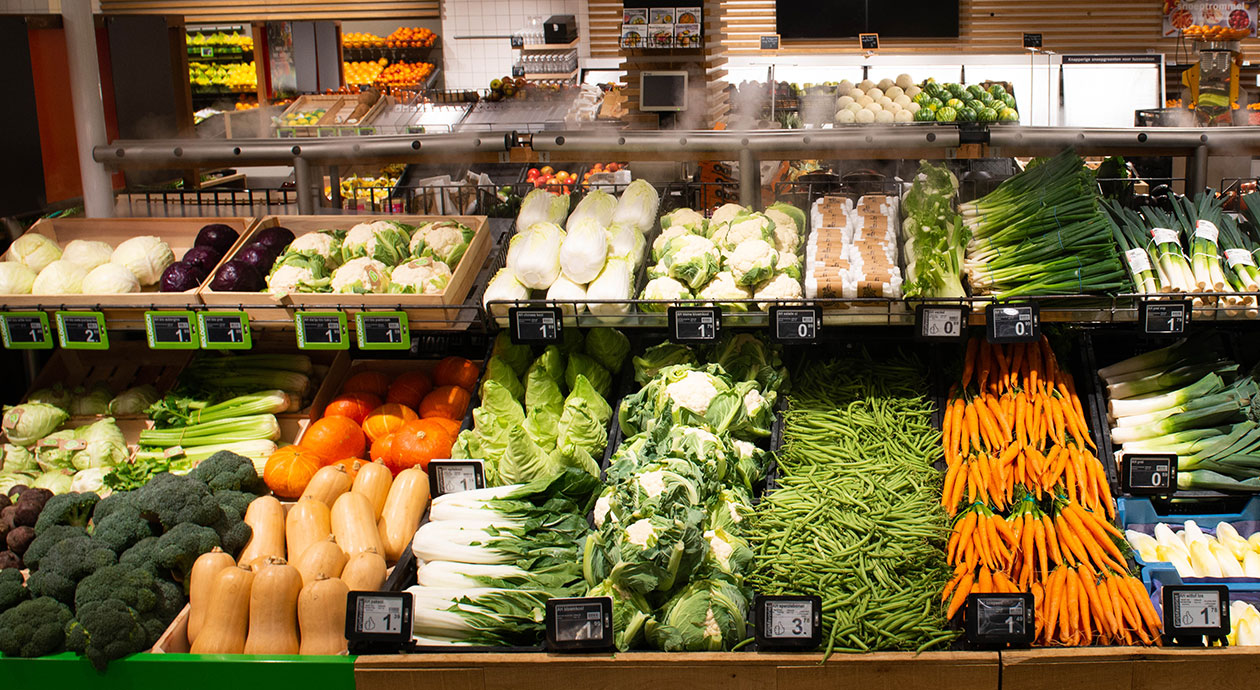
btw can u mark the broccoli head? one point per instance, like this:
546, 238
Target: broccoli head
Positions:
109, 504
121, 528
34, 628
172, 499
19, 539
65, 564
233, 533
10, 560
106, 630
180, 546
234, 503
67, 509
142, 555
45, 541
227, 471
121, 609
12, 591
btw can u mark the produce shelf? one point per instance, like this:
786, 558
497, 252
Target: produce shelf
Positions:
190, 671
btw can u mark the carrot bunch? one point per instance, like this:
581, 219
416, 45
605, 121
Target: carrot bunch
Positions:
1035, 501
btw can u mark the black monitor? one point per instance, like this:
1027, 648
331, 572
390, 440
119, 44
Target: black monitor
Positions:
663, 91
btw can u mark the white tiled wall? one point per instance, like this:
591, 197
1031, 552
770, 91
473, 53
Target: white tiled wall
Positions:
470, 63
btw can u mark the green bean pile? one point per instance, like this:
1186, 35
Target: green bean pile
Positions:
856, 517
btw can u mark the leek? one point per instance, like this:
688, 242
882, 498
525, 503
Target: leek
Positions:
1205, 386
229, 430
1207, 479
1146, 361
1169, 380
1177, 422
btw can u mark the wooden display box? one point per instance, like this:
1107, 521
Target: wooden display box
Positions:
124, 365
422, 310
1129, 668
336, 119
179, 233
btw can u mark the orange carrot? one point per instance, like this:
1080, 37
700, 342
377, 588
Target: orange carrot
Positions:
973, 429
999, 416
985, 365
1020, 421
969, 362
1017, 360
960, 595
1039, 539
1052, 539
984, 584
1074, 600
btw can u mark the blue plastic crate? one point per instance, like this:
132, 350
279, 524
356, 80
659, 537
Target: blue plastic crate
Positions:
1240, 589
1140, 515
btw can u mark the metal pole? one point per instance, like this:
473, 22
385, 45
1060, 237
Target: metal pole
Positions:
89, 113
334, 184
749, 179
305, 191
1196, 175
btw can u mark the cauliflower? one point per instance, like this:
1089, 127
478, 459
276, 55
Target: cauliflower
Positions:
657, 270
658, 245
692, 259
663, 287
724, 214
687, 219
753, 262
789, 263
445, 240
361, 275
640, 532
744, 227
724, 287
753, 402
324, 243
694, 391
299, 272
423, 276
781, 286
786, 237
382, 240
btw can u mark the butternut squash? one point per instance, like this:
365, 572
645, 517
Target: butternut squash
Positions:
265, 516
328, 483
373, 482
321, 557
353, 526
322, 616
306, 523
364, 572
408, 498
273, 609
227, 617
200, 581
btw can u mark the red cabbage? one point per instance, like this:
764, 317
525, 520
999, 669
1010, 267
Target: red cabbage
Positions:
259, 256
275, 239
218, 236
237, 276
203, 257
181, 276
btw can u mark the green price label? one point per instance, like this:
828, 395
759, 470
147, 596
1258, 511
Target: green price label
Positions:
321, 330
82, 330
171, 330
382, 330
224, 330
25, 330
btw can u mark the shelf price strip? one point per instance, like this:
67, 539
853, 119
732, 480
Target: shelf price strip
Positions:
795, 324
694, 324
224, 330
382, 330
1149, 474
454, 476
171, 330
535, 325
1192, 612
1164, 318
941, 323
25, 330
788, 622
82, 330
1000, 619
1013, 322
321, 330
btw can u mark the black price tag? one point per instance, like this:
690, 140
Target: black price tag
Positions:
1032, 40
225, 330
535, 325
82, 330
795, 324
321, 330
1164, 318
869, 41
454, 476
580, 624
788, 622
1196, 611
25, 330
1149, 474
517, 41
692, 324
1000, 619
941, 323
382, 330
378, 620
1013, 322
518, 70
770, 42
171, 330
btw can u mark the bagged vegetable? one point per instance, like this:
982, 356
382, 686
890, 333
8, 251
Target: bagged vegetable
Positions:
27, 423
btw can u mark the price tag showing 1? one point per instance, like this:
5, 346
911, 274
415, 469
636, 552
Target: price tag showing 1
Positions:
1000, 619
1164, 318
82, 330
171, 330
321, 330
1014, 322
382, 330
453, 476
941, 323
224, 330
535, 325
580, 624
378, 620
692, 324
1192, 612
788, 622
1148, 474
25, 330
795, 324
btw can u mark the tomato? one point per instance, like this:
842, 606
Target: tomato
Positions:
547, 170
533, 174
613, 167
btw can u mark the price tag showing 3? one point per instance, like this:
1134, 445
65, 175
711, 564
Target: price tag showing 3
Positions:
788, 622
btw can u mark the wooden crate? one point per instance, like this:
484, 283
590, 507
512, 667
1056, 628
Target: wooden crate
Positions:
1129, 668
124, 365
179, 233
336, 118
425, 315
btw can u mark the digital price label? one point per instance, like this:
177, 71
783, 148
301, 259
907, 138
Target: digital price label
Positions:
1164, 318
694, 324
453, 476
171, 330
25, 330
535, 325
941, 323
1149, 474
1192, 612
1000, 619
517, 41
580, 624
321, 330
787, 622
378, 620
518, 70
82, 330
795, 324
1013, 322
224, 330
382, 330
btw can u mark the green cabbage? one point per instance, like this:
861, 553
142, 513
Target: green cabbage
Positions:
746, 357
519, 356
608, 346
19, 460
16, 278
584, 392
551, 362
145, 256
581, 365
105, 445
33, 250
542, 395
580, 426
27, 423
91, 400
631, 613
56, 395
658, 357
501, 372
56, 481
133, 401
709, 615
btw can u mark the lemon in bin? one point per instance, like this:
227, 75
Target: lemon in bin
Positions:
954, 103
946, 114
987, 114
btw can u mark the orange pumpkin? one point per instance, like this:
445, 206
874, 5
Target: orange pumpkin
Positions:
290, 469
351, 465
353, 406
409, 389
448, 401
387, 419
334, 438
417, 443
373, 382
456, 371
451, 425
383, 448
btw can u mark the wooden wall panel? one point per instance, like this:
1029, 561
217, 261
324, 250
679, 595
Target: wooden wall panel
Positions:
605, 29
195, 11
